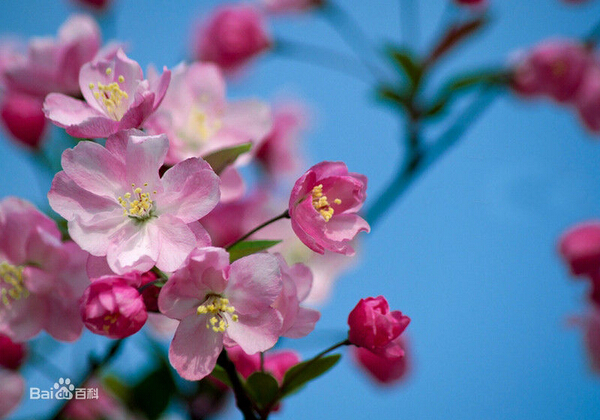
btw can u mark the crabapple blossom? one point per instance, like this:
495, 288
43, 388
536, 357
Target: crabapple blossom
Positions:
277, 363
116, 98
323, 206
23, 117
199, 120
298, 321
290, 6
117, 206
580, 247
374, 327
221, 304
52, 65
41, 278
112, 307
384, 370
232, 36
555, 68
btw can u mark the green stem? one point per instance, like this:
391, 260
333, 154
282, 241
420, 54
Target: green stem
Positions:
416, 165
284, 215
241, 398
94, 367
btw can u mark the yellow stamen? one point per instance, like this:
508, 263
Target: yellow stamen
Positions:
12, 284
320, 203
140, 207
121, 79
217, 306
108, 71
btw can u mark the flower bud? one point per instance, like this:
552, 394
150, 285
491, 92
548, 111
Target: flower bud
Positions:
580, 247
232, 36
384, 370
113, 308
12, 355
374, 327
23, 117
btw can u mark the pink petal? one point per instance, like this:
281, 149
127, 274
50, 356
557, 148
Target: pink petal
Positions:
232, 185
159, 88
206, 81
343, 228
145, 155
24, 318
251, 117
137, 112
195, 348
176, 242
77, 117
12, 387
304, 323
191, 190
98, 233
135, 249
63, 321
255, 332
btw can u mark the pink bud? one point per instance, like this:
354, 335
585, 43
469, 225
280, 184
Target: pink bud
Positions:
12, 355
232, 36
113, 308
384, 370
580, 247
374, 327
23, 117
98, 5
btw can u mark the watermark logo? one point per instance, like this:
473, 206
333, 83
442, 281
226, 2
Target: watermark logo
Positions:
63, 389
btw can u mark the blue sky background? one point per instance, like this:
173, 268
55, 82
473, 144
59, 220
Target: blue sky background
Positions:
469, 251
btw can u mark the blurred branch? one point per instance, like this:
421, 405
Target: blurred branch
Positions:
94, 367
352, 34
241, 398
415, 165
322, 57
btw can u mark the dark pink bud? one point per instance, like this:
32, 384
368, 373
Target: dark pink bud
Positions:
232, 36
12, 355
23, 117
580, 247
98, 5
150, 297
375, 327
384, 370
113, 308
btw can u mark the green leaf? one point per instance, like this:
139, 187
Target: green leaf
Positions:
221, 159
262, 387
220, 374
153, 393
116, 387
305, 372
242, 249
408, 63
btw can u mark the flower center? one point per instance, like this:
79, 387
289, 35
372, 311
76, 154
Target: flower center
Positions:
200, 127
217, 306
138, 205
111, 97
320, 203
12, 286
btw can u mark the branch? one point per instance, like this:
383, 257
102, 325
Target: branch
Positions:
241, 398
284, 215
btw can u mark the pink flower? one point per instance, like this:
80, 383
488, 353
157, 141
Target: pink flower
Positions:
41, 278
197, 118
117, 205
278, 153
23, 117
298, 321
221, 304
374, 327
12, 388
12, 355
587, 101
110, 306
290, 6
323, 206
232, 36
384, 370
277, 363
580, 247
553, 68
52, 65
116, 98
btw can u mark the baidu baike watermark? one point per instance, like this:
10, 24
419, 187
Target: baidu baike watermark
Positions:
63, 389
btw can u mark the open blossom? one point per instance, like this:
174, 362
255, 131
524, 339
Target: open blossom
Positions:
116, 98
23, 117
323, 206
580, 247
197, 118
374, 327
277, 363
554, 68
384, 370
221, 304
112, 307
298, 321
117, 205
290, 6
52, 65
232, 36
41, 278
